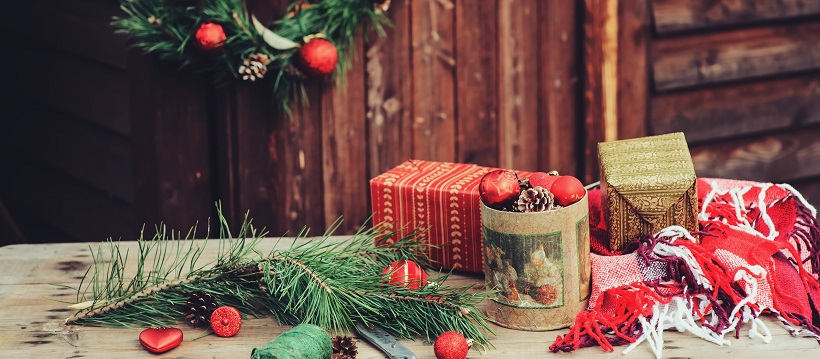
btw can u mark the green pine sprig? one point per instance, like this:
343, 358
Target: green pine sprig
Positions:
333, 284
166, 29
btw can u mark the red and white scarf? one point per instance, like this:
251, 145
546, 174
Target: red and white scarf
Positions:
758, 252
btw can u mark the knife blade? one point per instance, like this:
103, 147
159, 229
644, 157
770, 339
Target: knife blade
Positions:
384, 341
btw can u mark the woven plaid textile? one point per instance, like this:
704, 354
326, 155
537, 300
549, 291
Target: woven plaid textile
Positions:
758, 253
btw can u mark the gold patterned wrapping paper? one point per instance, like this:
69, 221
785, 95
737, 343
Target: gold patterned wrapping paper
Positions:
647, 184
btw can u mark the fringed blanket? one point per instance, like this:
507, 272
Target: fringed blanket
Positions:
759, 253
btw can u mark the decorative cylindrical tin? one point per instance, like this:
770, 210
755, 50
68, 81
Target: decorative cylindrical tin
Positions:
539, 264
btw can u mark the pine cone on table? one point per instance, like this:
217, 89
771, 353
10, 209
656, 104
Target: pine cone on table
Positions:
344, 348
534, 199
248, 272
199, 307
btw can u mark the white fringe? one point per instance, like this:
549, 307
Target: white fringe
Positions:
799, 196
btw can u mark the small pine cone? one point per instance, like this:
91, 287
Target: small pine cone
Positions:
248, 272
254, 67
344, 347
535, 199
199, 307
545, 294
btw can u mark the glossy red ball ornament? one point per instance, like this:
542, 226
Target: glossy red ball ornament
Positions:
543, 180
160, 340
499, 188
451, 345
406, 273
567, 190
318, 57
226, 321
210, 36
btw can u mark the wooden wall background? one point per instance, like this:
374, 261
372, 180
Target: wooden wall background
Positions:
98, 139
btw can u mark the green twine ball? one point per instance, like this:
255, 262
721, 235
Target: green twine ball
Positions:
305, 341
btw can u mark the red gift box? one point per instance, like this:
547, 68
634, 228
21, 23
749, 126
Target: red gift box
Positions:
441, 200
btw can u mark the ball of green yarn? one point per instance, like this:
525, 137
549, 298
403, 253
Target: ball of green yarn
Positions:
305, 341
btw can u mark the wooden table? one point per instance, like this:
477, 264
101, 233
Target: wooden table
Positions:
31, 322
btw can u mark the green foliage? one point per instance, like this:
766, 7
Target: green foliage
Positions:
333, 284
166, 29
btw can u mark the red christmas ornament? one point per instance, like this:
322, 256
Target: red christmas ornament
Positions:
160, 340
318, 57
499, 188
210, 36
451, 345
226, 321
543, 180
406, 273
567, 190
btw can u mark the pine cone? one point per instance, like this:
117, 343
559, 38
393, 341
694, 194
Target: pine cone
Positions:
200, 306
254, 67
248, 272
535, 199
344, 348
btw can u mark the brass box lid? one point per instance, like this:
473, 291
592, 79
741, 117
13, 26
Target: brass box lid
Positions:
651, 173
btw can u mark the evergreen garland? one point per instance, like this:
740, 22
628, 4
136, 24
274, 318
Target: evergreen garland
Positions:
167, 29
333, 285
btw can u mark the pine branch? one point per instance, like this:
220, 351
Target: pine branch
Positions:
331, 284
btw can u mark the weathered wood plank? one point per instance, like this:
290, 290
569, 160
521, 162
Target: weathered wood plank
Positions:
433, 73
728, 56
688, 15
170, 137
67, 83
594, 124
519, 98
389, 93
81, 212
79, 27
730, 111
477, 82
344, 152
560, 133
633, 75
90, 154
779, 158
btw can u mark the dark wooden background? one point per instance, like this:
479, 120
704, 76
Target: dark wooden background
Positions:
97, 140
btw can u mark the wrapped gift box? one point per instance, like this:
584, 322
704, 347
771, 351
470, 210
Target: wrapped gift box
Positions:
441, 200
647, 184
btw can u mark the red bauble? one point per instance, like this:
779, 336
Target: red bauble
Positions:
406, 273
567, 190
210, 36
318, 57
543, 180
451, 345
160, 340
226, 321
499, 188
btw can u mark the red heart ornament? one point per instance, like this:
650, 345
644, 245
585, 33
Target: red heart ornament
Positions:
160, 340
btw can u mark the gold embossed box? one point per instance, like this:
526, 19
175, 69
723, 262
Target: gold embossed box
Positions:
647, 184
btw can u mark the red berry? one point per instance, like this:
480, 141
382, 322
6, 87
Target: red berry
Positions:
406, 273
543, 180
210, 36
226, 321
451, 345
567, 190
499, 188
318, 57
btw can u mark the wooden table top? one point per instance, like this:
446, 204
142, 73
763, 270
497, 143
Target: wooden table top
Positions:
32, 322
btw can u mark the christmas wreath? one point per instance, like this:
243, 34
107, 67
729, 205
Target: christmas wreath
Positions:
309, 43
